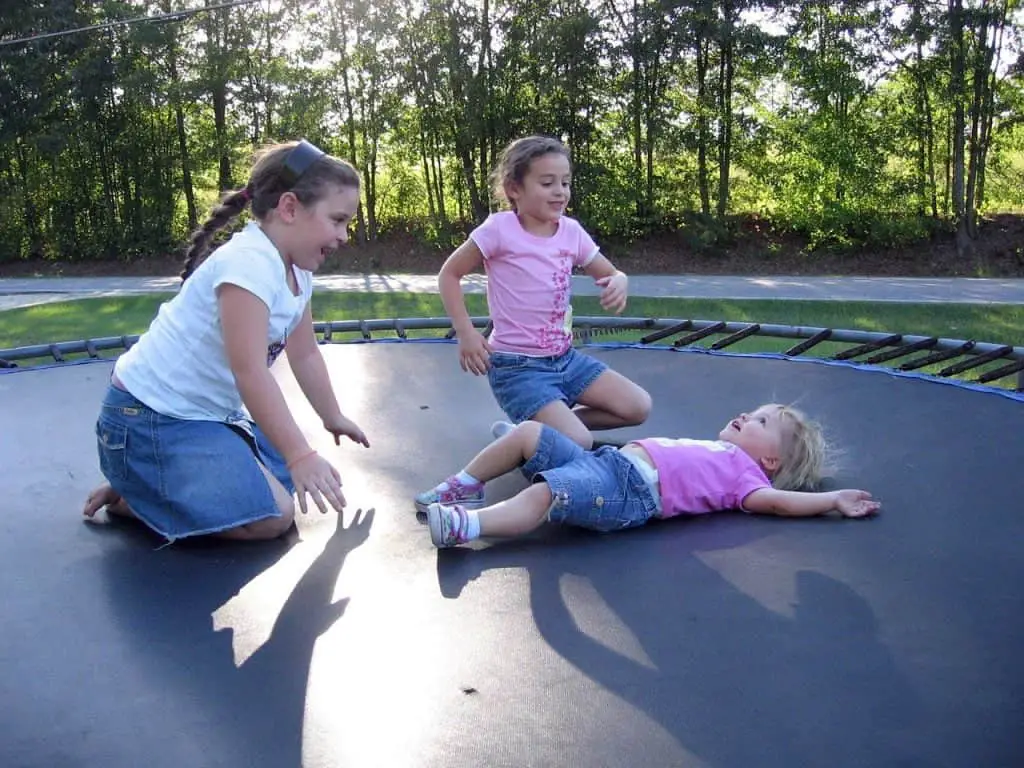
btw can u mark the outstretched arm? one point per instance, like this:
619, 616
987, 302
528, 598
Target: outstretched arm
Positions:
307, 363
244, 319
848, 502
613, 281
474, 351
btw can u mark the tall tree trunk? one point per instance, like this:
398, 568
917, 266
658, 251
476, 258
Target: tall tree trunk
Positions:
933, 184
427, 176
350, 122
979, 77
920, 95
217, 30
957, 92
703, 134
32, 228
725, 111
636, 110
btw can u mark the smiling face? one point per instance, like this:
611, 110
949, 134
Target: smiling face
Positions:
319, 228
541, 197
760, 434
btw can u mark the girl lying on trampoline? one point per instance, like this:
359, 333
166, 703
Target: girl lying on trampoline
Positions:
758, 464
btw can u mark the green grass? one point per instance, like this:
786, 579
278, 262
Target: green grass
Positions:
996, 323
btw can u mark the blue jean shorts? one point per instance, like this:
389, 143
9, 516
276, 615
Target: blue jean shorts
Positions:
183, 477
600, 489
523, 385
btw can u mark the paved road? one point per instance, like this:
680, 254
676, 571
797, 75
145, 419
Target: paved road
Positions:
17, 292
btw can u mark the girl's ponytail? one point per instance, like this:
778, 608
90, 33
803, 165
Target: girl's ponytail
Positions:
231, 205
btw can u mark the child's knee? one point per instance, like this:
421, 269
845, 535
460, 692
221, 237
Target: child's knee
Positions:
638, 407
528, 435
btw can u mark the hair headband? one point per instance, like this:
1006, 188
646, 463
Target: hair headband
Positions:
298, 161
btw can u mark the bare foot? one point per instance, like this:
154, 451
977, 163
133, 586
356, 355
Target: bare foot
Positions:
105, 496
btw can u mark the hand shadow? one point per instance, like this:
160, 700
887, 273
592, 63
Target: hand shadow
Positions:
722, 674
178, 683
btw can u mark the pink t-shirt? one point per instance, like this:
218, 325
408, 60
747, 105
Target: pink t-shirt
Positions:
701, 476
529, 282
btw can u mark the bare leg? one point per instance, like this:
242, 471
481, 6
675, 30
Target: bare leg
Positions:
506, 453
613, 401
562, 418
519, 515
269, 527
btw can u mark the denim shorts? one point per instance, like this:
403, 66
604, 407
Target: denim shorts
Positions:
523, 385
184, 477
600, 489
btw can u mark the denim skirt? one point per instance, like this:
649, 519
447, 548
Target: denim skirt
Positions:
183, 477
523, 385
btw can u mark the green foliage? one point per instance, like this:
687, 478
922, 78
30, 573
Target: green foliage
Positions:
837, 228
832, 119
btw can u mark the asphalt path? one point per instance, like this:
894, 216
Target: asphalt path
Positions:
20, 292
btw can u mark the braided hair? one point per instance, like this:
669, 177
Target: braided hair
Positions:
268, 180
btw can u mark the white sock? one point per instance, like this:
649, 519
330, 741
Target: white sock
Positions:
463, 477
472, 524
466, 479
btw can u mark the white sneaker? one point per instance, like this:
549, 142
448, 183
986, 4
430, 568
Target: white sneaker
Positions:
501, 428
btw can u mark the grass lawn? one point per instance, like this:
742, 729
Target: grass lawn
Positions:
1004, 324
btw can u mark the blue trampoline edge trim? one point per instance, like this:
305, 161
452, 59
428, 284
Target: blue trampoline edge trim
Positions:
1012, 395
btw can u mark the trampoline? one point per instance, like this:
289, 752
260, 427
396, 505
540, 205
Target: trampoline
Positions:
729, 640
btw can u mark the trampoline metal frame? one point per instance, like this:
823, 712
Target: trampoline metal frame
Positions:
866, 347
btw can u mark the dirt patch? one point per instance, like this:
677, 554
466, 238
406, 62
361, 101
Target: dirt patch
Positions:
756, 250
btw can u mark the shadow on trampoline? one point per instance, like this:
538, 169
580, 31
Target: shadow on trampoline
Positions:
164, 610
742, 661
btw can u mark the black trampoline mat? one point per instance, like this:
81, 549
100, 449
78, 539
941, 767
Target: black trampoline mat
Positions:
722, 641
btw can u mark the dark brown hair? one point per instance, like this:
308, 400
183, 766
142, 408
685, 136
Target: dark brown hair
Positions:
268, 180
514, 162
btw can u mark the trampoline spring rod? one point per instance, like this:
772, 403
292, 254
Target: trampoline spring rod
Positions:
750, 330
937, 357
871, 346
700, 333
973, 362
1003, 371
803, 346
901, 350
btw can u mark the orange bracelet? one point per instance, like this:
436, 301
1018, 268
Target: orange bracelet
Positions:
303, 457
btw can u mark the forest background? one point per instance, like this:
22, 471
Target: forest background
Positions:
707, 136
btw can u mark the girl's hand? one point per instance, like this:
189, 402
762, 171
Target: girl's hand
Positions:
313, 474
474, 353
348, 428
615, 289
852, 503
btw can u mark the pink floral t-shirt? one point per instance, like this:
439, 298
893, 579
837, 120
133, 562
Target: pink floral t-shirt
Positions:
701, 476
529, 282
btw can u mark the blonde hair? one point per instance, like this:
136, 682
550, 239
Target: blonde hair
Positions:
514, 162
805, 452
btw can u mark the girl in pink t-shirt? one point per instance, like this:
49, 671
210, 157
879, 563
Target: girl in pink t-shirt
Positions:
528, 253
759, 463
